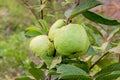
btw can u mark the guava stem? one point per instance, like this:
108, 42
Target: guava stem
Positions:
104, 54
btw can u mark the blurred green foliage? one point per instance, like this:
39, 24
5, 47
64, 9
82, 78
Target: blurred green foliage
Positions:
15, 17
14, 58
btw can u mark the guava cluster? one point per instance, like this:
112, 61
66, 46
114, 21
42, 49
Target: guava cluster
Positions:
69, 40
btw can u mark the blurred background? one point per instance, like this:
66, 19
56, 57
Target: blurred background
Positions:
15, 17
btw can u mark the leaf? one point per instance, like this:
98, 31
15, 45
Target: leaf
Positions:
32, 32
52, 71
95, 38
113, 32
37, 73
94, 29
44, 25
115, 49
84, 6
92, 51
107, 70
39, 8
112, 76
68, 13
55, 61
99, 19
72, 72
80, 64
24, 78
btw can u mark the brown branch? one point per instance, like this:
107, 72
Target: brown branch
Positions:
30, 8
32, 11
41, 10
104, 54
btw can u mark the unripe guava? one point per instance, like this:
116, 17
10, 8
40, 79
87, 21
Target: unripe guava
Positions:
41, 46
71, 40
58, 24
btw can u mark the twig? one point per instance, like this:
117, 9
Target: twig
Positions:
77, 2
41, 10
104, 54
30, 8
33, 12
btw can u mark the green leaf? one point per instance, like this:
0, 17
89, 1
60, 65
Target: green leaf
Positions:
115, 49
68, 13
113, 32
47, 59
44, 26
37, 73
92, 51
52, 71
107, 70
80, 64
112, 76
94, 36
72, 72
99, 19
56, 61
24, 78
84, 6
32, 32
94, 29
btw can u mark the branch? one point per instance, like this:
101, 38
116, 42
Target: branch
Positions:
30, 8
104, 54
41, 10
33, 12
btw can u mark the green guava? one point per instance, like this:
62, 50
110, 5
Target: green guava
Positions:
43, 48
71, 40
58, 24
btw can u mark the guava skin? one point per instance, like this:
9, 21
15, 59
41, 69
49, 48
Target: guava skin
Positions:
58, 24
41, 46
71, 40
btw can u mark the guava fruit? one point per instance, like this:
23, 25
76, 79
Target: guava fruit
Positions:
58, 24
71, 40
43, 48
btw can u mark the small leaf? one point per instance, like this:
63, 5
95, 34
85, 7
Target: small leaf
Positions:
84, 6
44, 25
94, 29
112, 76
113, 32
32, 32
94, 36
72, 72
99, 19
107, 70
52, 71
47, 59
24, 78
55, 61
68, 13
37, 73
92, 51
115, 49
